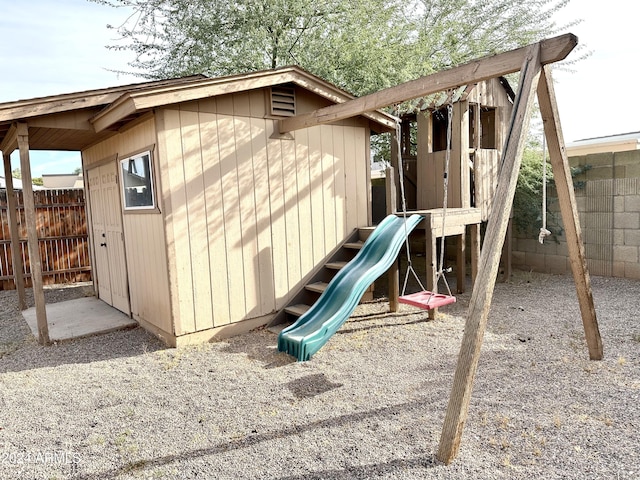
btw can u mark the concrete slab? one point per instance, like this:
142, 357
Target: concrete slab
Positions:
79, 318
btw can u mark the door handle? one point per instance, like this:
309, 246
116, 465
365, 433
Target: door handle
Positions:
103, 244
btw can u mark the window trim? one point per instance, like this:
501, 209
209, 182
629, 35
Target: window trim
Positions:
154, 208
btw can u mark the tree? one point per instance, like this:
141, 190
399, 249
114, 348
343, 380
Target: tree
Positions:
359, 45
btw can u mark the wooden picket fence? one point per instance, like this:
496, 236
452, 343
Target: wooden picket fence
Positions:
62, 230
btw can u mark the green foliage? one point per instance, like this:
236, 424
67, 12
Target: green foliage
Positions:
359, 45
16, 173
527, 203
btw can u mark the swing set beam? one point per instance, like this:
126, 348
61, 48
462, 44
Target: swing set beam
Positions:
551, 50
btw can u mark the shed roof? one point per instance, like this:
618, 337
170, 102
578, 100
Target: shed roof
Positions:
76, 120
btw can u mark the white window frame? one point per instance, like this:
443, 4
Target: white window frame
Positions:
124, 165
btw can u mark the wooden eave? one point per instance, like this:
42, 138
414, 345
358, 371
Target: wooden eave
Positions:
60, 122
134, 103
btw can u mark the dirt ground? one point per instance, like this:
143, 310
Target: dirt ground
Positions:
370, 404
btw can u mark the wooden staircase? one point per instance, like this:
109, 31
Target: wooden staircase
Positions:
307, 295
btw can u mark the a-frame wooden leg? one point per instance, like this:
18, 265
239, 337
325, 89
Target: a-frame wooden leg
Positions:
480, 303
569, 211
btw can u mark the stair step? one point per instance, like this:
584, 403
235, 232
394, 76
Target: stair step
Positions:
335, 265
297, 310
354, 245
318, 287
364, 232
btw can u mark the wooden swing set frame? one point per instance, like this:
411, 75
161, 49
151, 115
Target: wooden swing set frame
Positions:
533, 62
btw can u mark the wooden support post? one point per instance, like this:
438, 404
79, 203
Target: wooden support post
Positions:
394, 272
32, 234
16, 249
480, 303
507, 250
569, 212
461, 263
475, 251
431, 259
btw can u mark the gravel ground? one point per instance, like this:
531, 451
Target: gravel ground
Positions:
370, 404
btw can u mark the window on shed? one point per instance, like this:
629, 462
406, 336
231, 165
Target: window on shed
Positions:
137, 182
283, 101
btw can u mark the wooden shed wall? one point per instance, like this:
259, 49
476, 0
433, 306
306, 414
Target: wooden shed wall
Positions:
143, 234
250, 214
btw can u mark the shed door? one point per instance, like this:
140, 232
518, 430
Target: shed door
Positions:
108, 237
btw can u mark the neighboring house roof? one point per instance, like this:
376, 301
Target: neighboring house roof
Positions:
17, 184
62, 180
611, 143
99, 113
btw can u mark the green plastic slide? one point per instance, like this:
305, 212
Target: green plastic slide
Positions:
314, 328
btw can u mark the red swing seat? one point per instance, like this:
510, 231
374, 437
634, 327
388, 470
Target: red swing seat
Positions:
427, 300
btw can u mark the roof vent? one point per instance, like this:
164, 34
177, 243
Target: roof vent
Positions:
283, 101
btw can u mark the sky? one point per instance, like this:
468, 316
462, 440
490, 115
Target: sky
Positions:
53, 47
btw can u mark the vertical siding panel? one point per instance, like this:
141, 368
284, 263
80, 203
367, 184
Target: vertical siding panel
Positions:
339, 172
278, 224
315, 188
363, 179
247, 187
215, 218
233, 227
196, 220
291, 211
328, 192
263, 215
351, 173
179, 223
304, 201
241, 104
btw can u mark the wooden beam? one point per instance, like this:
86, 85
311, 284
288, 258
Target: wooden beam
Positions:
16, 253
32, 234
551, 50
569, 212
10, 141
480, 303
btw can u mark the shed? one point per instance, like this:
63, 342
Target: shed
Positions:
204, 218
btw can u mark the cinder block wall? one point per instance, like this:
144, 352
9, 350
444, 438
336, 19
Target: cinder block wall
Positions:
608, 201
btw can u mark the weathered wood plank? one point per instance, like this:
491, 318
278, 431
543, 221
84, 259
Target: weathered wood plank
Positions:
489, 261
552, 50
32, 234
394, 270
569, 211
12, 212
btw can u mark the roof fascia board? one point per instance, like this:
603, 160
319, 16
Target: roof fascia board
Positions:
23, 109
133, 102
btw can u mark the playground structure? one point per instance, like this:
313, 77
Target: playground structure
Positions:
166, 132
533, 62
